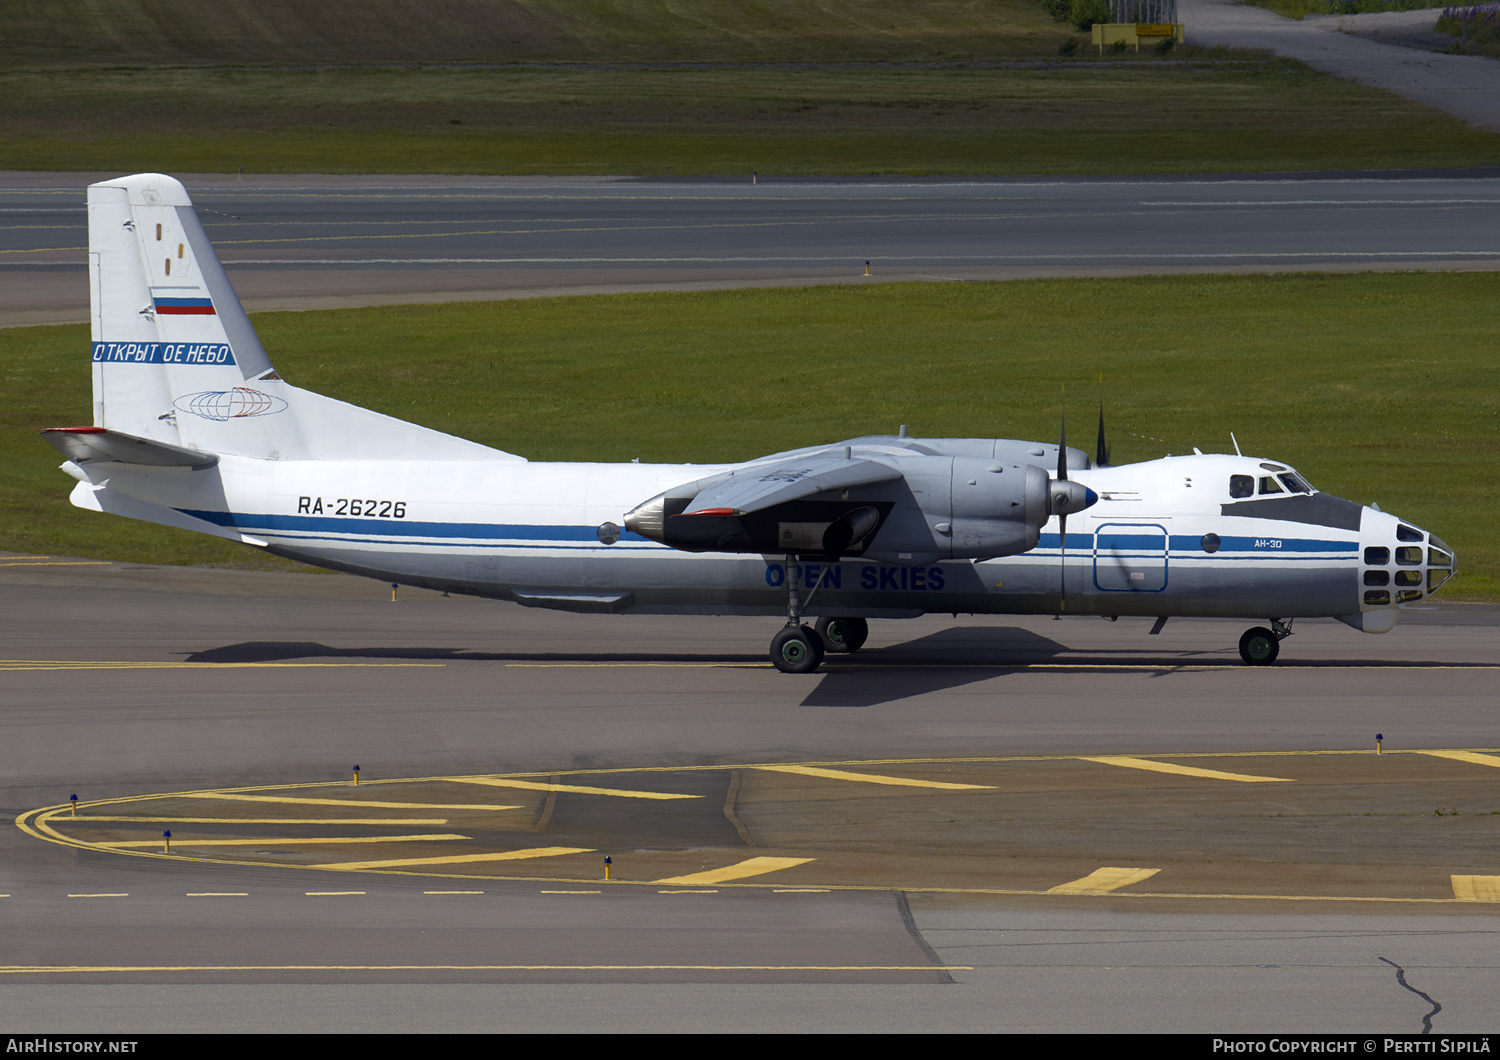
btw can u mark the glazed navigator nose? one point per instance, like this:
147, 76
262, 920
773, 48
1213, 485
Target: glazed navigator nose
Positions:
1404, 566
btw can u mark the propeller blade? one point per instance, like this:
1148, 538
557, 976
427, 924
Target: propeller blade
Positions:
1062, 565
1062, 517
1101, 451
1062, 450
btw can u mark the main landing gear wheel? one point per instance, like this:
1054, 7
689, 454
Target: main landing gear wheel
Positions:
797, 650
843, 635
1259, 646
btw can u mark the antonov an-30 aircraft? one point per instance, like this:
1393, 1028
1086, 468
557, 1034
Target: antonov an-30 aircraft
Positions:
194, 428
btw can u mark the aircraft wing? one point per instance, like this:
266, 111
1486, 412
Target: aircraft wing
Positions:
764, 486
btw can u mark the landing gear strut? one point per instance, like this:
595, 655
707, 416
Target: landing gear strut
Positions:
796, 649
1260, 646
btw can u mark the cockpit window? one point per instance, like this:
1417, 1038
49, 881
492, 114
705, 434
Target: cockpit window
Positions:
1268, 484
1241, 486
1294, 482
1407, 533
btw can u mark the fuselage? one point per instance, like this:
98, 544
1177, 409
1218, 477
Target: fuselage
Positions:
1203, 535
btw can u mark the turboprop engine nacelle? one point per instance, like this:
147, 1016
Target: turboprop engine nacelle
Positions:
929, 507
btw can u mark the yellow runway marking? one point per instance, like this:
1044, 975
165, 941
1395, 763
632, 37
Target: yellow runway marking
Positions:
1198, 666
76, 969
738, 871
1188, 771
467, 859
406, 821
1466, 756
353, 803
576, 789
1102, 881
1476, 888
144, 843
85, 664
871, 778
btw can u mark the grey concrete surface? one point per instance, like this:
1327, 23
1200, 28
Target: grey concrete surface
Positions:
1465, 86
521, 689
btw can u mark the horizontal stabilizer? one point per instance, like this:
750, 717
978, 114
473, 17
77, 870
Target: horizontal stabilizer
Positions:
84, 445
763, 486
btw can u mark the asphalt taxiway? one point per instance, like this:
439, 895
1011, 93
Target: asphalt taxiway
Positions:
301, 242
973, 824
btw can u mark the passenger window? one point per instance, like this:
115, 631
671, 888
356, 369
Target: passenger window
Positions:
1377, 556
1410, 556
1377, 577
1407, 533
1241, 486
1270, 485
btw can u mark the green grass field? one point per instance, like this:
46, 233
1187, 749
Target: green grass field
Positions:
665, 87
1068, 118
1380, 388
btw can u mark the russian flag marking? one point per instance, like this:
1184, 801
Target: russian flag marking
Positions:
185, 306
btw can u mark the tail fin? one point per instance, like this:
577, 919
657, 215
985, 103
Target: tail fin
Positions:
177, 361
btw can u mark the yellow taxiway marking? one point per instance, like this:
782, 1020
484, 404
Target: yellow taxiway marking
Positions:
1471, 757
119, 894
1130, 762
141, 843
464, 859
54, 563
576, 789
738, 871
1102, 881
329, 894
1476, 888
407, 821
217, 894
353, 803
1196, 666
452, 892
572, 892
87, 664
872, 778
75, 969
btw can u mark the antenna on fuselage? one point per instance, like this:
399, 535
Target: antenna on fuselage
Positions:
1235, 440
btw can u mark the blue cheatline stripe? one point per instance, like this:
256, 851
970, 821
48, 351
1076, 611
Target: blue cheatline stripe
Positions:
405, 528
1153, 544
1190, 544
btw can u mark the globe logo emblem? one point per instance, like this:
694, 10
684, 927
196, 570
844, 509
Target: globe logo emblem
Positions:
222, 405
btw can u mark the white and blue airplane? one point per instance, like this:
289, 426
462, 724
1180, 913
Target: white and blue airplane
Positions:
194, 428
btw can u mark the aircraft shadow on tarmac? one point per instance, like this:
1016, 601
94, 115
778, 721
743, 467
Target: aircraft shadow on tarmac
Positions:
948, 658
